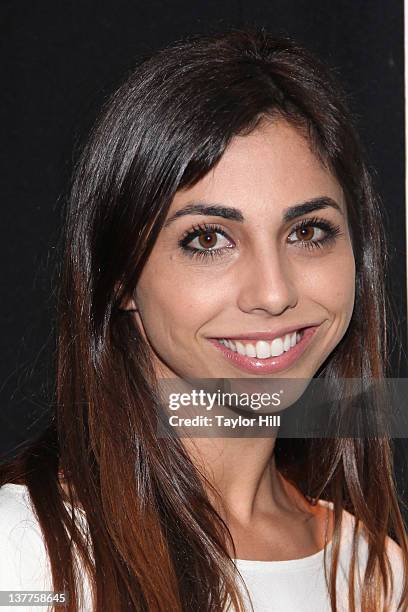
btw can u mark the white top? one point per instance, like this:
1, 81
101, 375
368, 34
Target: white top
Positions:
274, 586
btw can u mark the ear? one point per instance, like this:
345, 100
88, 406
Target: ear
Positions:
127, 303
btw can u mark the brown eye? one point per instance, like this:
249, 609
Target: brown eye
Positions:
305, 233
209, 239
206, 241
314, 233
308, 235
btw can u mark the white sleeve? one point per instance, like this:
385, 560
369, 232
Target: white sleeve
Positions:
24, 564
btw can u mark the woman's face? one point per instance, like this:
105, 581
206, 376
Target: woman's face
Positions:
261, 284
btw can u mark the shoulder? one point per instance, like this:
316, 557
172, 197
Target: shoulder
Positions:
393, 551
23, 560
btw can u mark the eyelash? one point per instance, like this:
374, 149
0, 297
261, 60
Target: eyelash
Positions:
333, 231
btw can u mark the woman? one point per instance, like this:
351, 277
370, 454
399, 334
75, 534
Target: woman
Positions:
222, 224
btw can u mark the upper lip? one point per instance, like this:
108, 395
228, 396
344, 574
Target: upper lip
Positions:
267, 335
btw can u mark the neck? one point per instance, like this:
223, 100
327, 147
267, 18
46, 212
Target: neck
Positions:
244, 475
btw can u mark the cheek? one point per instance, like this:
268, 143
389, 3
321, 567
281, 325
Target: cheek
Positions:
331, 282
344, 285
175, 301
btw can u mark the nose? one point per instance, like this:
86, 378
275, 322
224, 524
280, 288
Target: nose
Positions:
266, 284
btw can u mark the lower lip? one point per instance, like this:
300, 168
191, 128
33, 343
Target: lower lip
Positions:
271, 365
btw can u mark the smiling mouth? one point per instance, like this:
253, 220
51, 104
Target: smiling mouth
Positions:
265, 356
263, 349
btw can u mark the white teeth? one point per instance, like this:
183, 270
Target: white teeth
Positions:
240, 348
250, 350
286, 343
276, 347
263, 349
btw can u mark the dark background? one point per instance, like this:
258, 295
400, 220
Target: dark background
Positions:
59, 62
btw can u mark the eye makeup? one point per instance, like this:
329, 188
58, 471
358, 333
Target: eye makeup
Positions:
331, 233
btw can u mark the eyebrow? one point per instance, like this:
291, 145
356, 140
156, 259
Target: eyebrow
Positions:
235, 214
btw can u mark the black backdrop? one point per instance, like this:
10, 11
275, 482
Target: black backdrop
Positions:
61, 59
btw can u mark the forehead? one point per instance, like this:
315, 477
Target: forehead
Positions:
269, 169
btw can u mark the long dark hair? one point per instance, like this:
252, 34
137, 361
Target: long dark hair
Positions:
156, 542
